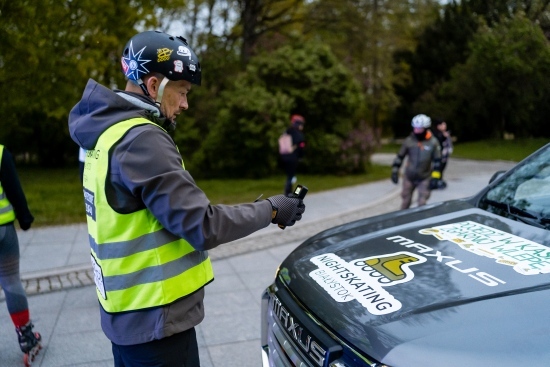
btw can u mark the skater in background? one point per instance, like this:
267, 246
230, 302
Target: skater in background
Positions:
291, 155
443, 135
13, 205
422, 171
149, 224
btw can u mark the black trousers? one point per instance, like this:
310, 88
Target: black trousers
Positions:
178, 350
289, 162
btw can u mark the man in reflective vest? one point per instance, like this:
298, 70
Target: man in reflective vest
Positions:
13, 205
150, 225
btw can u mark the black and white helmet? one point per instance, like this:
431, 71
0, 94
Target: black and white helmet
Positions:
154, 51
421, 121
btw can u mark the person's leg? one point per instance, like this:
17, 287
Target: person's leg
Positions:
406, 193
442, 184
423, 191
178, 350
443, 165
10, 281
290, 165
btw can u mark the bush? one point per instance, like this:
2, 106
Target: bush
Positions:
303, 78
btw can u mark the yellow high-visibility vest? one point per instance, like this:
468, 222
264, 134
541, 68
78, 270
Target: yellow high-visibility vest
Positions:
137, 263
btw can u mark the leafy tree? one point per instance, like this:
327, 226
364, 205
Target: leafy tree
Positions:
48, 50
503, 86
440, 46
220, 65
443, 45
262, 18
364, 35
300, 78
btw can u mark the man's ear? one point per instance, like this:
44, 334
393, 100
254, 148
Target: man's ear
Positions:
152, 83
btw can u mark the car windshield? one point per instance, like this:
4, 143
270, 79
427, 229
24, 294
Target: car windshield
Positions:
525, 194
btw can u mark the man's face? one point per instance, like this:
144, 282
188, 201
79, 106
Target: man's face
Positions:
174, 99
418, 130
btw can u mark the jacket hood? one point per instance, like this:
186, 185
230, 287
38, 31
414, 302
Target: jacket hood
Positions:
101, 107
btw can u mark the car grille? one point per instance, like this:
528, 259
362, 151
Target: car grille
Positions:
290, 338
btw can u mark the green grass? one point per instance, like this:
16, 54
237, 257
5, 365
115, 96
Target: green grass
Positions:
55, 195
507, 150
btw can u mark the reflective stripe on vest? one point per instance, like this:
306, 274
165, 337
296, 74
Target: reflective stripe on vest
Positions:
137, 263
7, 215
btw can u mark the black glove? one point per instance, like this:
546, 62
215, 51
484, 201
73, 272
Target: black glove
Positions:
287, 210
395, 176
25, 225
25, 221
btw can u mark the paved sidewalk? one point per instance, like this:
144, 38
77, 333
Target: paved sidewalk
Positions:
56, 273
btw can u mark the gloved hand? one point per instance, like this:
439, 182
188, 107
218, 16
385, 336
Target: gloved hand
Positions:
287, 210
25, 221
395, 176
25, 225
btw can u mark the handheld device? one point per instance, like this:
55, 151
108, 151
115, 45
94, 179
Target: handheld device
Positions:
300, 193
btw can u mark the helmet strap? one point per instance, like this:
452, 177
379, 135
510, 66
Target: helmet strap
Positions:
143, 87
160, 92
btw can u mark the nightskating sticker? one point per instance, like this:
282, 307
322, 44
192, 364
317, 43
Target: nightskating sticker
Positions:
526, 257
364, 279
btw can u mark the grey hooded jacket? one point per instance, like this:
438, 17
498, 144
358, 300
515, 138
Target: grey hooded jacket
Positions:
145, 171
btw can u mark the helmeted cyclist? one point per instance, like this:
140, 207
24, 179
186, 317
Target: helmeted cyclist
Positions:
149, 224
422, 170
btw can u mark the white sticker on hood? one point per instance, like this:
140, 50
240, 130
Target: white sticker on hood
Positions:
364, 279
526, 257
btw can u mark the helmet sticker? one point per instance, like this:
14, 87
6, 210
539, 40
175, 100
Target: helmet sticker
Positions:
184, 51
178, 66
192, 67
163, 54
133, 64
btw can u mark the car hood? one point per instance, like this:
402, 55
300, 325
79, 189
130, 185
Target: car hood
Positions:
442, 285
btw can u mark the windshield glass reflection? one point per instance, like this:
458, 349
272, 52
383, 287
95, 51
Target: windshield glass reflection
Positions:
525, 194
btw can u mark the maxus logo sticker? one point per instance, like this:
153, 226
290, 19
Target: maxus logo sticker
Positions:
526, 257
364, 279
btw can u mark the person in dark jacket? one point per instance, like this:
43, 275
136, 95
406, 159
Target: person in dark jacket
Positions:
290, 160
13, 205
150, 225
422, 171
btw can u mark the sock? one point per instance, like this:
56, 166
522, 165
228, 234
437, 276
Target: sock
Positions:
20, 318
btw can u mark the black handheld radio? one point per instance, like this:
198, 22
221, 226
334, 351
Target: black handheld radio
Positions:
300, 193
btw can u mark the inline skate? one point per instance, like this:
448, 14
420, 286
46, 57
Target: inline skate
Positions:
29, 341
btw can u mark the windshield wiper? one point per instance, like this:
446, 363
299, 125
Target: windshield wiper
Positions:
521, 214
